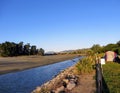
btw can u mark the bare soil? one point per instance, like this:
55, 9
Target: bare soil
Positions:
12, 64
86, 84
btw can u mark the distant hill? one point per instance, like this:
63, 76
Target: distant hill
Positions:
50, 53
67, 51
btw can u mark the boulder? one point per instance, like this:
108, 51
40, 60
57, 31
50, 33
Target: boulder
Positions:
71, 85
66, 81
60, 89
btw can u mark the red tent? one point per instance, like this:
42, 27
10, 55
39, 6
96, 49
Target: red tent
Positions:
110, 56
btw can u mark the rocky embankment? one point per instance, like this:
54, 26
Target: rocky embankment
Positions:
69, 82
63, 82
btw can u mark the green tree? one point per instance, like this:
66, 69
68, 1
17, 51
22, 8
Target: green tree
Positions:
96, 48
118, 43
5, 47
20, 48
16, 49
33, 50
27, 49
0, 49
12, 50
41, 52
110, 47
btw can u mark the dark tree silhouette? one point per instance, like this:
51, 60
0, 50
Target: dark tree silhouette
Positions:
118, 43
27, 49
17, 49
41, 52
33, 50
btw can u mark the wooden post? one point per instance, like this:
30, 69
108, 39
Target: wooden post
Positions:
98, 75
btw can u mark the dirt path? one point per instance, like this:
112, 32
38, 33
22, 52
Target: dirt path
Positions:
86, 84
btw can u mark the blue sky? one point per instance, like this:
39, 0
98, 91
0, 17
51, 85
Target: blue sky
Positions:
57, 25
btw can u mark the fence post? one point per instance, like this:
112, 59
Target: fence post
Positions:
99, 76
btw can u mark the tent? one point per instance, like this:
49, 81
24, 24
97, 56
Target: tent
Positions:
110, 56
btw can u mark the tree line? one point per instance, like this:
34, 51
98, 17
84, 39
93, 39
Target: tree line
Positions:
17, 49
96, 48
109, 47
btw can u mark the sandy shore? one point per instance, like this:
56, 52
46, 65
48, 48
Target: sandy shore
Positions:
12, 64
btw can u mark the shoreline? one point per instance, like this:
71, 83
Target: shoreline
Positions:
55, 81
15, 64
69, 81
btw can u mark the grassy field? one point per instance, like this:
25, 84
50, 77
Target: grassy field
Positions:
111, 78
11, 64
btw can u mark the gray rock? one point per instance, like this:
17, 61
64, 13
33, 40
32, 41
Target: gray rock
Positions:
60, 89
71, 85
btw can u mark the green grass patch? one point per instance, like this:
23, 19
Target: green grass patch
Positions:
111, 77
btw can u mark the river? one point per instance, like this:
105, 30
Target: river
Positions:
27, 80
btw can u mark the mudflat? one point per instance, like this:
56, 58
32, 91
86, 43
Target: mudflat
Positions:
12, 64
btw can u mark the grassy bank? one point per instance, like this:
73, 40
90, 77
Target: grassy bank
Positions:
12, 64
111, 78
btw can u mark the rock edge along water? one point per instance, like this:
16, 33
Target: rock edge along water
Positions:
65, 81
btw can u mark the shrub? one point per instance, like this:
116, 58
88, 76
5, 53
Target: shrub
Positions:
85, 65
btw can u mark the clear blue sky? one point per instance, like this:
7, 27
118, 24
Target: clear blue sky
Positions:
57, 25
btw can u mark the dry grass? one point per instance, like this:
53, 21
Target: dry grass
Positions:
10, 64
85, 65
